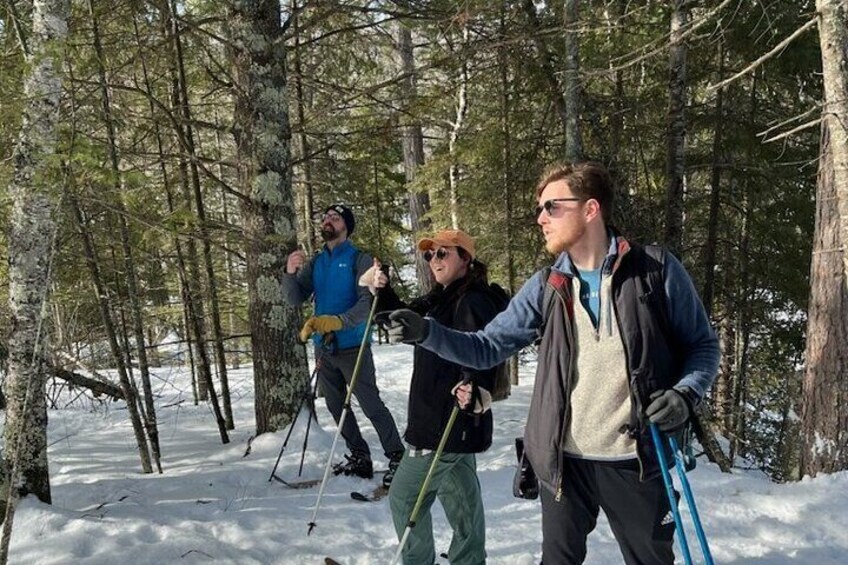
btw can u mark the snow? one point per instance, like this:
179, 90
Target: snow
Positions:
214, 502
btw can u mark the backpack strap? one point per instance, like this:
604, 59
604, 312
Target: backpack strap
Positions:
552, 282
653, 272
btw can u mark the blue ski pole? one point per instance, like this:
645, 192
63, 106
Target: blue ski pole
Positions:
669, 489
690, 500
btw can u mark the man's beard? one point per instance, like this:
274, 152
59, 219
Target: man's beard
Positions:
329, 233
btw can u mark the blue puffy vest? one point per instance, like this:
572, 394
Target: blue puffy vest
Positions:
334, 282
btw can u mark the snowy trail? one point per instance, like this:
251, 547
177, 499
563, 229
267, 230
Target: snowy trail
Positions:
214, 504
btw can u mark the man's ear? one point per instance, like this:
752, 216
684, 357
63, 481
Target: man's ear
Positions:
592, 209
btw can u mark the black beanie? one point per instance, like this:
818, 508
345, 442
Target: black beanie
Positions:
346, 214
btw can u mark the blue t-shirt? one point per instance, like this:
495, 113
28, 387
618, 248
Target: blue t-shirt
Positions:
590, 293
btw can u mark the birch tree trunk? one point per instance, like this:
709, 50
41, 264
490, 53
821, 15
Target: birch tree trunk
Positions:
413, 155
676, 140
456, 127
262, 138
31, 235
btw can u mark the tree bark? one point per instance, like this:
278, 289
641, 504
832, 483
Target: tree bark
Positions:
709, 257
413, 156
676, 140
824, 406
825, 392
453, 137
572, 84
31, 237
310, 238
262, 139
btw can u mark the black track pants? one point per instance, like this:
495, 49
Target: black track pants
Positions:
638, 513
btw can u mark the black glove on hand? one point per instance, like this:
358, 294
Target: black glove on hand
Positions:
668, 409
407, 327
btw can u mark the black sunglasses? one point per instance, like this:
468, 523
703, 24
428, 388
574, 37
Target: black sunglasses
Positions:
550, 205
439, 254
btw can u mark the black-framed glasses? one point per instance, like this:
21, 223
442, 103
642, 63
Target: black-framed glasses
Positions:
439, 254
332, 216
550, 206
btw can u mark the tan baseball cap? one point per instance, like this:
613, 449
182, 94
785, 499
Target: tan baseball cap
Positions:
449, 238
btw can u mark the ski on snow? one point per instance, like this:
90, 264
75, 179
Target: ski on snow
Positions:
379, 493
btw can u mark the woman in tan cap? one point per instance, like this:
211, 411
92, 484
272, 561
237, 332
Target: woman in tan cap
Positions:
460, 299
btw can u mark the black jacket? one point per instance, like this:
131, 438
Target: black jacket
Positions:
467, 307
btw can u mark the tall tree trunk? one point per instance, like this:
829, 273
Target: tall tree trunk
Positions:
456, 126
833, 35
413, 155
572, 85
308, 197
264, 167
111, 334
742, 332
676, 140
190, 262
129, 264
203, 228
546, 65
709, 258
504, 389
825, 397
229, 267
30, 246
824, 405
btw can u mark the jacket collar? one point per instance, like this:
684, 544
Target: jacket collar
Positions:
339, 248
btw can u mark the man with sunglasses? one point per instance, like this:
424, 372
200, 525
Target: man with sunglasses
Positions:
616, 353
337, 329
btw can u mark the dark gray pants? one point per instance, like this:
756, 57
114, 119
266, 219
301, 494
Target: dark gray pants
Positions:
334, 372
638, 513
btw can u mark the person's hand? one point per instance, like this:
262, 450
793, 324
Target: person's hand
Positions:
668, 409
464, 394
407, 327
320, 325
295, 261
374, 278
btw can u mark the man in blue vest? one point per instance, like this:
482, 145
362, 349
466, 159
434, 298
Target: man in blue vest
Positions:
337, 329
619, 350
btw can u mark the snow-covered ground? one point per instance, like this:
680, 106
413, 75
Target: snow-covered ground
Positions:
214, 502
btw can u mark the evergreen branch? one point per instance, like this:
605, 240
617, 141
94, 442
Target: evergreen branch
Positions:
777, 48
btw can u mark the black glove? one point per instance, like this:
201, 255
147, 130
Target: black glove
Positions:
407, 327
669, 409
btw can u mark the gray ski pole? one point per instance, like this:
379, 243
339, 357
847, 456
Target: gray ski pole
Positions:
345, 410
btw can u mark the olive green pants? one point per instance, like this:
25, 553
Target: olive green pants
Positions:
455, 483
